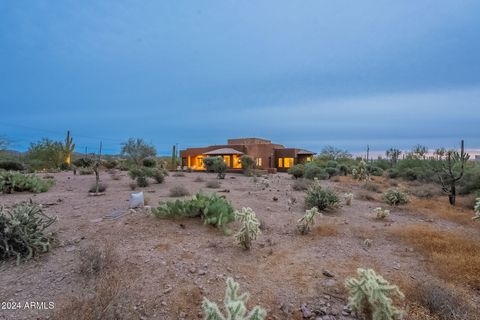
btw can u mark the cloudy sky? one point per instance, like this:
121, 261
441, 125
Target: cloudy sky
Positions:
303, 73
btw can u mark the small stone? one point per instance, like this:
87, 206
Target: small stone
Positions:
202, 272
327, 273
167, 290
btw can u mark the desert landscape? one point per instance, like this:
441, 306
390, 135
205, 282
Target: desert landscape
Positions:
112, 262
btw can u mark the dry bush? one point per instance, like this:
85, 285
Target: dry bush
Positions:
426, 191
440, 300
373, 187
454, 256
213, 184
95, 261
326, 230
439, 207
179, 191
198, 179
365, 195
301, 184
335, 179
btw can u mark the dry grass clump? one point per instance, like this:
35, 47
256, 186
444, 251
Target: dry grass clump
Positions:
326, 230
213, 184
301, 184
440, 208
373, 187
199, 179
454, 256
425, 191
95, 261
365, 196
179, 191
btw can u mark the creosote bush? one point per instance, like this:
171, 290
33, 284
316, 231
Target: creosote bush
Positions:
213, 184
371, 295
322, 199
12, 181
23, 231
250, 227
213, 209
395, 197
12, 165
301, 184
305, 224
235, 306
297, 171
179, 191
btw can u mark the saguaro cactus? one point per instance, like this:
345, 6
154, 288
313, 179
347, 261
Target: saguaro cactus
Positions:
68, 149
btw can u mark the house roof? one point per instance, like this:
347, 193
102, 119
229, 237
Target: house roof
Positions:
303, 151
223, 151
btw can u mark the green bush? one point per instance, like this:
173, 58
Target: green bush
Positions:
46, 154
12, 181
179, 191
213, 210
208, 163
343, 169
312, 171
395, 197
149, 162
141, 175
83, 162
375, 171
331, 171
23, 231
322, 199
142, 181
110, 164
332, 164
297, 171
247, 163
85, 171
471, 180
11, 165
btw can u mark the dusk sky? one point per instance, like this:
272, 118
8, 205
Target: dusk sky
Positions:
304, 73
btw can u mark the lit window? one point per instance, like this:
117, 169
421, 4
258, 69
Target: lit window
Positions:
280, 162
258, 162
288, 162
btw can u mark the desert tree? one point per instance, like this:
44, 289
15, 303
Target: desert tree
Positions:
333, 153
450, 171
393, 154
137, 150
420, 151
46, 153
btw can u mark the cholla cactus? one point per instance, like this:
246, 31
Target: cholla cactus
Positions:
234, 305
370, 294
305, 224
361, 173
348, 198
250, 227
477, 210
381, 213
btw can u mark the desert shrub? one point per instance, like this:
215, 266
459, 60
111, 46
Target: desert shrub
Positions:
46, 154
141, 175
381, 213
373, 187
470, 183
297, 171
110, 164
213, 210
250, 227
208, 163
23, 231
360, 173
213, 184
95, 260
157, 175
83, 162
440, 300
101, 188
198, 179
312, 171
343, 169
85, 171
149, 162
305, 224
137, 150
332, 164
393, 173
375, 171
395, 197
11, 165
366, 196
425, 191
142, 181
301, 185
235, 306
247, 163
331, 171
322, 199
220, 167
12, 181
179, 191
348, 197
132, 185
123, 165
371, 295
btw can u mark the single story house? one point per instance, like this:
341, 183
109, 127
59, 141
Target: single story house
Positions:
267, 155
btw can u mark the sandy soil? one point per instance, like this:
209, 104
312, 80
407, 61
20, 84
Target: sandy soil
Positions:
169, 265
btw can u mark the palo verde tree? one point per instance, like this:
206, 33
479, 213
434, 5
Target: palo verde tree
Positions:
137, 150
450, 171
68, 149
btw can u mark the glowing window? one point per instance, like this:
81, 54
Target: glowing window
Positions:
258, 162
280, 162
288, 162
